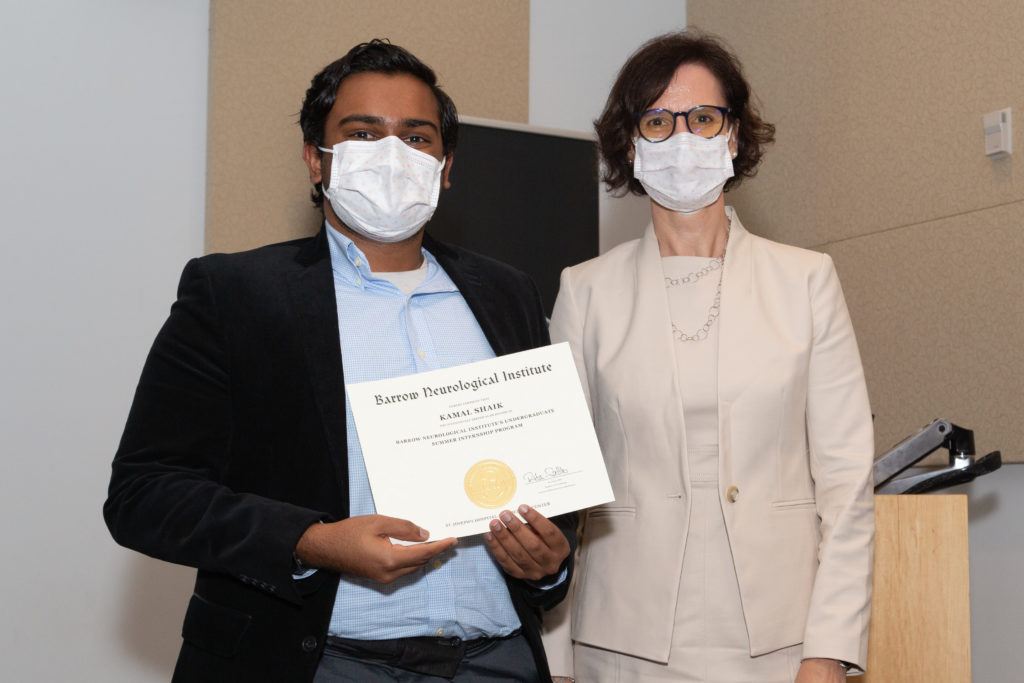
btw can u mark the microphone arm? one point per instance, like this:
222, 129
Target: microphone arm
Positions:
940, 433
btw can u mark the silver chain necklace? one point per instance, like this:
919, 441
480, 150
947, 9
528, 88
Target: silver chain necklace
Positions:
716, 305
713, 265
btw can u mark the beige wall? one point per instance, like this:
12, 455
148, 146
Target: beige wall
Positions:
262, 57
879, 161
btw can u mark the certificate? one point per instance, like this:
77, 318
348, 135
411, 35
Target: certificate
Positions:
450, 449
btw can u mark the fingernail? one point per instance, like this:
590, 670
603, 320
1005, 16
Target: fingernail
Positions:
424, 534
523, 509
506, 516
495, 525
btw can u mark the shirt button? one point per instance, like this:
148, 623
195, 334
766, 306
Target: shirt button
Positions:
308, 644
437, 564
439, 632
421, 353
732, 493
359, 281
358, 262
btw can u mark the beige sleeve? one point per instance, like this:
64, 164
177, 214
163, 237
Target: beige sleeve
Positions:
556, 637
566, 326
841, 440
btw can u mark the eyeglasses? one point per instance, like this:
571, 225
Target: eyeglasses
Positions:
706, 120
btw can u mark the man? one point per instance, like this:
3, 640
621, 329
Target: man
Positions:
240, 455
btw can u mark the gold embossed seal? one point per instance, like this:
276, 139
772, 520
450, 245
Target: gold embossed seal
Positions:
490, 483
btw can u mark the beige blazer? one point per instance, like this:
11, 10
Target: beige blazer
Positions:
796, 450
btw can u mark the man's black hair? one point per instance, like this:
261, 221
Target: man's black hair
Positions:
376, 56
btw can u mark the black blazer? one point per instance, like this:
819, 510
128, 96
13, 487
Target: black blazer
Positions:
235, 444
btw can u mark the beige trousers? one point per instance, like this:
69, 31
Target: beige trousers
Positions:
709, 642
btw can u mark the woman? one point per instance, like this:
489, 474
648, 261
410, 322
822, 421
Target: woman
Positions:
729, 399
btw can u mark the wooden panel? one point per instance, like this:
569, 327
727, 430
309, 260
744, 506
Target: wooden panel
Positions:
262, 57
921, 620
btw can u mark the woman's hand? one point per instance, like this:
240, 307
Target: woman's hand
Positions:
821, 671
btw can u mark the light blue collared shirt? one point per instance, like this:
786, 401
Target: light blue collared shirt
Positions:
386, 333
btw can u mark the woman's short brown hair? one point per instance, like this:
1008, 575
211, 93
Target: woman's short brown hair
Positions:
643, 79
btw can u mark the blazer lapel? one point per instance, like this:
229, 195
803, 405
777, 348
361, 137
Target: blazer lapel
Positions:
311, 289
737, 344
650, 336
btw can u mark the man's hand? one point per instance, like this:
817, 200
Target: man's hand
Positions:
821, 671
528, 551
361, 546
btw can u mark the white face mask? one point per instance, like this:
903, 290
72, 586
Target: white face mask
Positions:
383, 189
684, 173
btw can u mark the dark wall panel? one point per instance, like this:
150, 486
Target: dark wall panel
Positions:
528, 199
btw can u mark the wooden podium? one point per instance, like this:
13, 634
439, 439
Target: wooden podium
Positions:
921, 615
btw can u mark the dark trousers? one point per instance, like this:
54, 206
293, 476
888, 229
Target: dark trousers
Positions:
488, 660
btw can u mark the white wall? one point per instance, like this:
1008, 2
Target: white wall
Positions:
996, 511
102, 179
576, 50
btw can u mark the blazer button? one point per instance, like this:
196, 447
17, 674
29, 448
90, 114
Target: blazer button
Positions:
732, 493
308, 644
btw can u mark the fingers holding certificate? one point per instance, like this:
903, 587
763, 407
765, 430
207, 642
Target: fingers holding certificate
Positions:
453, 448
362, 546
532, 550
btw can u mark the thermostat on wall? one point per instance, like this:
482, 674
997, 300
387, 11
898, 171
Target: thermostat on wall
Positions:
998, 132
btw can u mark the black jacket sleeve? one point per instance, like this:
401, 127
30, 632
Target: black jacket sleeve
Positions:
167, 497
537, 597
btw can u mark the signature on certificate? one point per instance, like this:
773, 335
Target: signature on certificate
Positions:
548, 473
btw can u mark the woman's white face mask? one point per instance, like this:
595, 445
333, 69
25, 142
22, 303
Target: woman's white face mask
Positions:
383, 189
684, 173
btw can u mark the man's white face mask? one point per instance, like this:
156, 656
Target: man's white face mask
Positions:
684, 173
383, 189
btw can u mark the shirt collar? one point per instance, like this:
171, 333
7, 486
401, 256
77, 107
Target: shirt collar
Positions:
350, 267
